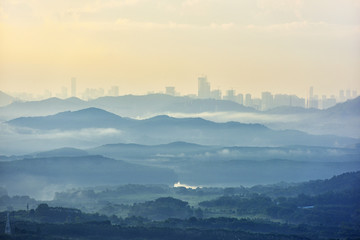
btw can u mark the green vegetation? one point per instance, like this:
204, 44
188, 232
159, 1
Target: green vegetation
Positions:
227, 213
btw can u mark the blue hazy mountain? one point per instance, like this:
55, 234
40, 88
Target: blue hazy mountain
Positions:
137, 151
38, 173
153, 104
164, 129
128, 105
181, 151
5, 99
341, 119
192, 164
348, 108
224, 166
85, 118
41, 108
62, 152
292, 110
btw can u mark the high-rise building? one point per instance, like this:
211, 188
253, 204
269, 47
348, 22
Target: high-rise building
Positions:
341, 96
240, 98
73, 87
248, 101
256, 103
311, 92
327, 102
92, 93
170, 91
314, 102
282, 100
354, 94
114, 91
266, 101
216, 94
348, 94
203, 87
64, 92
230, 95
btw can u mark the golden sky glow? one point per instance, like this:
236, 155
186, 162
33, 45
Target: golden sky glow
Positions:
283, 46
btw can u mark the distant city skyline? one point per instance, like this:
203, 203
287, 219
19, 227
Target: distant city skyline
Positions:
267, 100
140, 46
112, 90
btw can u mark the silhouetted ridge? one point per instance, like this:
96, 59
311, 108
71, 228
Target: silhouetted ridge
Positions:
164, 129
350, 107
83, 170
62, 152
5, 99
91, 112
85, 118
181, 144
292, 110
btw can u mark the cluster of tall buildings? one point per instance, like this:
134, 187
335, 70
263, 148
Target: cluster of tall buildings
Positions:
269, 101
89, 93
323, 102
265, 102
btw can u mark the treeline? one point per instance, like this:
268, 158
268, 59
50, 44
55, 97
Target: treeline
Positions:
183, 222
330, 209
104, 230
343, 182
72, 223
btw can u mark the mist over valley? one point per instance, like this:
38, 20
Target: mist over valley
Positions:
142, 160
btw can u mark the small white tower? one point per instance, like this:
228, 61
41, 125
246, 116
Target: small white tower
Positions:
7, 226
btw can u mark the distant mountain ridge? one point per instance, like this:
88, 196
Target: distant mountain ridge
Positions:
128, 105
85, 118
95, 117
78, 171
155, 104
5, 99
350, 107
165, 129
342, 119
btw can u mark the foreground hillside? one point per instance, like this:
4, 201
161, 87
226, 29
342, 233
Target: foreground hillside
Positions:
330, 211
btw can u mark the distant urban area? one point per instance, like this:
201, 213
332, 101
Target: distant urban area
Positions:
265, 102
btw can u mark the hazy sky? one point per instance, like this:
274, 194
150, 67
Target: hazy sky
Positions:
283, 46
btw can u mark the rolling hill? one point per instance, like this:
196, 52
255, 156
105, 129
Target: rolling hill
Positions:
164, 129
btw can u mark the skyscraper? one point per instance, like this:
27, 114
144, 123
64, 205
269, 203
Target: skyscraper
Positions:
354, 94
216, 94
248, 100
311, 96
266, 100
341, 96
240, 98
203, 87
73, 87
348, 94
230, 95
114, 91
311, 92
170, 91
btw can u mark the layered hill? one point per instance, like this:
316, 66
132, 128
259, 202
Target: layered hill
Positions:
163, 129
34, 176
342, 119
128, 105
